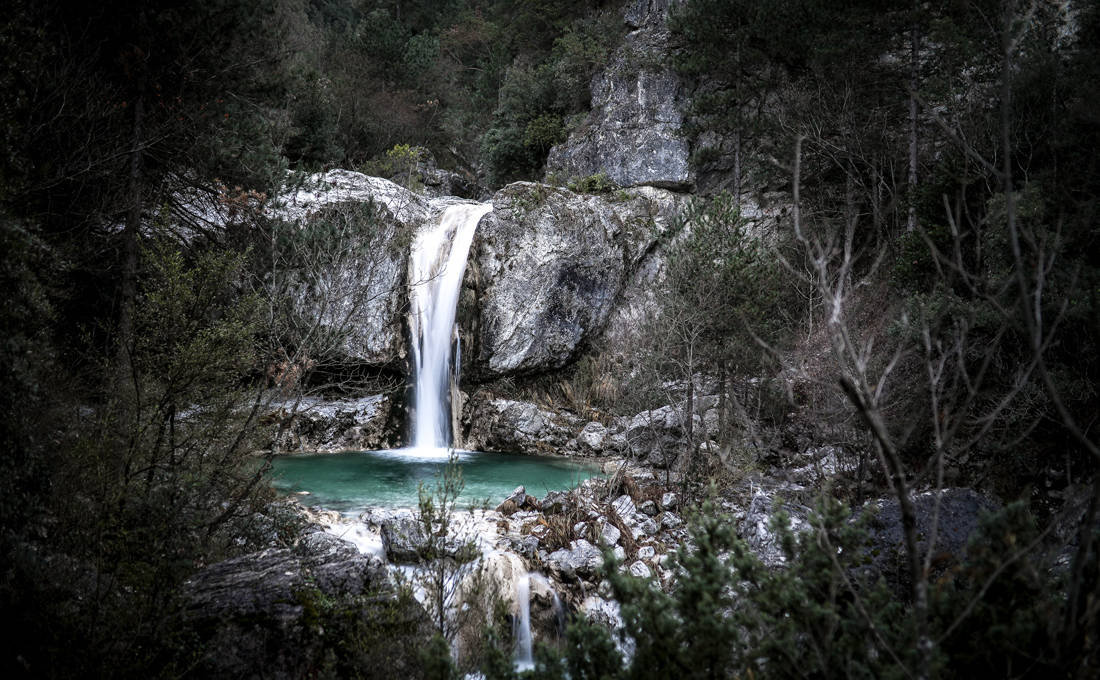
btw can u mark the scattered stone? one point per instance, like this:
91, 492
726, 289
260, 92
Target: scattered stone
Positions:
580, 560
518, 495
612, 466
649, 527
669, 500
649, 508
557, 502
756, 529
640, 569
593, 435
646, 552
670, 521
529, 546
609, 533
624, 507
508, 507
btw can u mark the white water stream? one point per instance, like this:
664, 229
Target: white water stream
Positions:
436, 266
525, 658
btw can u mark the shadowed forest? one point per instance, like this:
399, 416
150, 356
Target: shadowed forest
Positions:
921, 295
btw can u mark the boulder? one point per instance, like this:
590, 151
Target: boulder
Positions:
262, 614
656, 435
403, 538
580, 560
592, 435
959, 517
518, 495
556, 502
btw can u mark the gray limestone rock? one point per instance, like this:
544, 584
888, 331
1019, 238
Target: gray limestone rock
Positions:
315, 424
755, 526
640, 569
403, 538
516, 426
633, 132
357, 299
258, 614
580, 560
624, 506
609, 533
547, 270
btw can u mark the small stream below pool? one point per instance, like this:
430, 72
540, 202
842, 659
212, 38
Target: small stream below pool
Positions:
354, 481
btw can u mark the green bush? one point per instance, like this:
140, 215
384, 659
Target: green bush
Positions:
599, 183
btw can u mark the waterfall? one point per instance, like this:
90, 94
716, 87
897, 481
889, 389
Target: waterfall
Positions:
525, 658
436, 266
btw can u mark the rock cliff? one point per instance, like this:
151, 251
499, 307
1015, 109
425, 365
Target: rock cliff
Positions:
633, 131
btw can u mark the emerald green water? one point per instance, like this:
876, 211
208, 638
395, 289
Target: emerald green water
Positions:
350, 482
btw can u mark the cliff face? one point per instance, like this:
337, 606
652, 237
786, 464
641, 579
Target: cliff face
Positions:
547, 270
633, 131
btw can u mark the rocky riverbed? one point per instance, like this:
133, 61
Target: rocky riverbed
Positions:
636, 513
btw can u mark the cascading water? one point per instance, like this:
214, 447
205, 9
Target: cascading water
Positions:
436, 266
525, 659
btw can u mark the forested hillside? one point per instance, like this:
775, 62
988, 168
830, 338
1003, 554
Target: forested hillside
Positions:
869, 227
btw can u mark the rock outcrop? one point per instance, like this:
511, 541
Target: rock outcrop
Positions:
638, 106
959, 515
280, 612
315, 424
358, 293
548, 268
519, 426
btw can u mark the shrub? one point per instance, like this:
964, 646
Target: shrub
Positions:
599, 183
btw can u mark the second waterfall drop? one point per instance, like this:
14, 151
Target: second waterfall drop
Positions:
437, 264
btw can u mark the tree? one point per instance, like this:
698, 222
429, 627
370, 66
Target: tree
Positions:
721, 292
